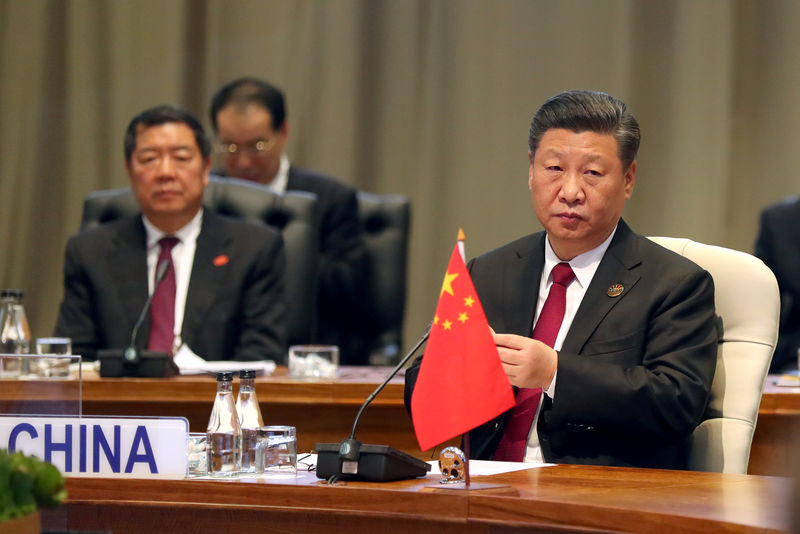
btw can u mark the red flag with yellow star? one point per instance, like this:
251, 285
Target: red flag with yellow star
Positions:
460, 384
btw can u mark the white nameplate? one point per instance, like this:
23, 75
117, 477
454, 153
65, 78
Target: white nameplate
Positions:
113, 447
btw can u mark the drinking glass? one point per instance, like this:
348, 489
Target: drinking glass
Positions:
276, 450
313, 361
196, 454
53, 367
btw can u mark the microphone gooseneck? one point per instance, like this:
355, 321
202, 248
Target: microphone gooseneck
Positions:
376, 463
399, 366
131, 352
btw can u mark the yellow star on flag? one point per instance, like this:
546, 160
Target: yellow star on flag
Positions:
447, 324
447, 285
469, 301
463, 317
435, 319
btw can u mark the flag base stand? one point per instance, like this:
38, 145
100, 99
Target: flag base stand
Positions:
489, 489
451, 486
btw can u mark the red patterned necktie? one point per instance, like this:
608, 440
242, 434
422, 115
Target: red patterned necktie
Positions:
162, 311
515, 438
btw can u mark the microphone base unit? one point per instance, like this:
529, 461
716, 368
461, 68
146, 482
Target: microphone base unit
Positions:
373, 463
350, 459
114, 363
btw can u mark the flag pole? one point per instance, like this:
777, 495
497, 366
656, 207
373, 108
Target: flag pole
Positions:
466, 459
461, 238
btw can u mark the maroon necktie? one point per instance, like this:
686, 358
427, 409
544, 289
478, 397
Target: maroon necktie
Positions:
515, 438
162, 311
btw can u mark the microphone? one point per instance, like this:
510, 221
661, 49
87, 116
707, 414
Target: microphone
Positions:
376, 463
131, 361
131, 352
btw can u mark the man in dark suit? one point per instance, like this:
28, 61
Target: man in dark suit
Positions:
778, 246
626, 376
249, 116
221, 292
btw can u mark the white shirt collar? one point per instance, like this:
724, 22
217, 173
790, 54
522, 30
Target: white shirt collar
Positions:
281, 180
583, 265
186, 234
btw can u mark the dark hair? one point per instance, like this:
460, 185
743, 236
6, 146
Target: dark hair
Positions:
243, 91
162, 115
581, 111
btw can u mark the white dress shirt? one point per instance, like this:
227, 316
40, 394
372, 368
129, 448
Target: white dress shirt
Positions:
281, 180
182, 261
584, 266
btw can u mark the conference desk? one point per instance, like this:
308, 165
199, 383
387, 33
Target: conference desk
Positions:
559, 498
776, 442
324, 411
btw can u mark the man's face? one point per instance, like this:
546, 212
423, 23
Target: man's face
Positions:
168, 174
579, 188
251, 148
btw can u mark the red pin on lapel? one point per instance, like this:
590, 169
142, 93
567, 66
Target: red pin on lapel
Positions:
220, 260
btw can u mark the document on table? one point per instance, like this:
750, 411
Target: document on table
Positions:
190, 363
789, 379
489, 467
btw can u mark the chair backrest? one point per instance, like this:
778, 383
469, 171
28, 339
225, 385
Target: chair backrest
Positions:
294, 214
385, 222
748, 303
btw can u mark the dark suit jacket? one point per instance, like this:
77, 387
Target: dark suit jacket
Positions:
634, 372
343, 263
778, 246
234, 311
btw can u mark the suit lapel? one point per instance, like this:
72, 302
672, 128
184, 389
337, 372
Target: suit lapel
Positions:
615, 268
128, 266
521, 286
212, 242
291, 180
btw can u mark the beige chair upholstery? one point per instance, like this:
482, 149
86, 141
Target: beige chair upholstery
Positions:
748, 304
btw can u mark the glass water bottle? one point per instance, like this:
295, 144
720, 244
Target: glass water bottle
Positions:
15, 334
249, 418
224, 432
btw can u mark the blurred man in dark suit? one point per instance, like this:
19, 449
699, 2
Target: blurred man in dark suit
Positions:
221, 293
609, 338
249, 116
778, 246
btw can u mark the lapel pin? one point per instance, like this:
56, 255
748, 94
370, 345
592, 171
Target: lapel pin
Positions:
615, 290
220, 260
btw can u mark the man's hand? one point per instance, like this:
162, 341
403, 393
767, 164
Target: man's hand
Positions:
528, 363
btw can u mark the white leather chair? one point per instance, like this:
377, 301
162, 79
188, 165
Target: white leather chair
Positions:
748, 303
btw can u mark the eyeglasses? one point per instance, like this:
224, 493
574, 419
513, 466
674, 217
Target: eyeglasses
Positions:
251, 149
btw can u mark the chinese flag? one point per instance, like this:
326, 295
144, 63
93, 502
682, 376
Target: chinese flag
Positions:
461, 383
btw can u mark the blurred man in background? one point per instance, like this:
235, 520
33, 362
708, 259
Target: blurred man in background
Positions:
778, 246
249, 117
